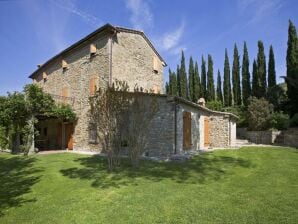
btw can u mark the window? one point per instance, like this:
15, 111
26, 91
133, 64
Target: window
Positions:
92, 133
93, 85
64, 65
92, 49
45, 131
155, 64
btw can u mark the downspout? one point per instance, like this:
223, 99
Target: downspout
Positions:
111, 57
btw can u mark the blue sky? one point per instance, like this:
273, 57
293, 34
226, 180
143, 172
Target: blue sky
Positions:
32, 31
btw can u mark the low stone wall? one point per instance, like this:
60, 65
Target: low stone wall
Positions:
287, 137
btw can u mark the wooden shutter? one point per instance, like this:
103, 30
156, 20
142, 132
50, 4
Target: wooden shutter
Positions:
206, 132
64, 94
93, 85
186, 130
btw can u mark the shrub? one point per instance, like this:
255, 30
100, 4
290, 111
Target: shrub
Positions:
239, 111
3, 138
280, 121
259, 114
214, 105
294, 121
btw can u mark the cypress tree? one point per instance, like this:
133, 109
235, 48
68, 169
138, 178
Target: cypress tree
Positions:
236, 77
227, 82
271, 69
203, 78
183, 78
246, 89
178, 81
172, 83
191, 76
218, 88
210, 80
197, 84
255, 81
292, 68
261, 71
167, 88
169, 83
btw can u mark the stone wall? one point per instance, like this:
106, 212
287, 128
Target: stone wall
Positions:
286, 137
220, 130
132, 61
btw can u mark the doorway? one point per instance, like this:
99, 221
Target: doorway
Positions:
186, 130
206, 132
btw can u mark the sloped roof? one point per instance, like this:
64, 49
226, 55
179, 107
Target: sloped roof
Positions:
108, 28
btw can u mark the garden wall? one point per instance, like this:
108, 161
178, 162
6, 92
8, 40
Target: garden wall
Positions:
287, 137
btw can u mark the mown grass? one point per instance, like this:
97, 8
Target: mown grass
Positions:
250, 185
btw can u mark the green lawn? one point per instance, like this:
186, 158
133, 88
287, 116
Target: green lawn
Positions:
251, 185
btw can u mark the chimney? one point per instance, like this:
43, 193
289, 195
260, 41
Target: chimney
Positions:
201, 102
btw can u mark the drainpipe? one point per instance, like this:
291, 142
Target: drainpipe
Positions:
110, 57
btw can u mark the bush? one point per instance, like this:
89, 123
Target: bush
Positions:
294, 121
214, 105
280, 121
259, 113
3, 139
241, 112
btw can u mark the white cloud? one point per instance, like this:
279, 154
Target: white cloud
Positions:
259, 8
171, 41
70, 7
141, 15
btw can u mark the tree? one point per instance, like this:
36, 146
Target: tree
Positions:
203, 78
109, 111
173, 84
210, 80
246, 88
236, 77
183, 78
255, 81
197, 83
227, 82
191, 80
259, 114
261, 71
292, 69
178, 81
167, 88
218, 89
271, 69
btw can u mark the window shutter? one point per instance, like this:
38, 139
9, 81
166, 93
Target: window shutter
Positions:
92, 49
93, 85
64, 94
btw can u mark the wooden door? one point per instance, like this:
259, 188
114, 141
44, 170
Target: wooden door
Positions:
69, 136
186, 130
59, 136
206, 132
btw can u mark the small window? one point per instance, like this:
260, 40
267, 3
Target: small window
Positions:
64, 95
64, 65
92, 133
92, 49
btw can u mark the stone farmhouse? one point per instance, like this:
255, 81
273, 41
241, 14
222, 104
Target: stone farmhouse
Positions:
114, 53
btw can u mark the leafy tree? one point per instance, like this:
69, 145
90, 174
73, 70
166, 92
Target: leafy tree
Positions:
259, 114
219, 89
183, 78
261, 71
227, 82
292, 68
210, 80
255, 80
271, 69
246, 88
280, 121
236, 77
197, 83
191, 80
214, 105
203, 78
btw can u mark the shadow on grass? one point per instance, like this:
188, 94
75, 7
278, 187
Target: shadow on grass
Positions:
202, 168
17, 176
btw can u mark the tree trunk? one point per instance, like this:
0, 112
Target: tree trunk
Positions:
31, 143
